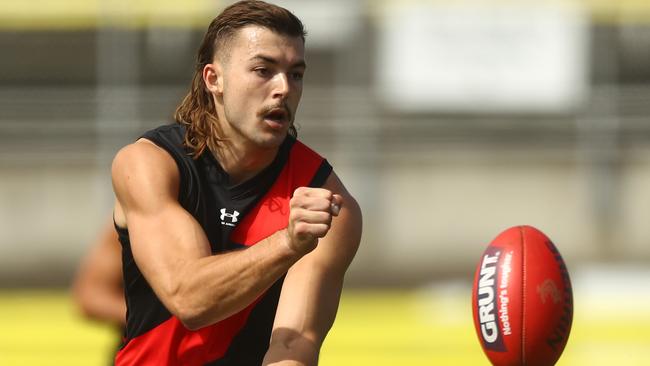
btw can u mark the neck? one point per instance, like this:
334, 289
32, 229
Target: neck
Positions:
243, 161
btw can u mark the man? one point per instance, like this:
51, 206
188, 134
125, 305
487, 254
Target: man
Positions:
97, 287
236, 236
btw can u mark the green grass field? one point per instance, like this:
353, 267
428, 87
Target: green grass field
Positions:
425, 327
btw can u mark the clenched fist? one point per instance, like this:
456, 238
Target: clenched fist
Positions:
310, 217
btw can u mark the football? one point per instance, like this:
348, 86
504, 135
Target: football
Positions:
522, 300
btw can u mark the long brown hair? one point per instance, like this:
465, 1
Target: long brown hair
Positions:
197, 111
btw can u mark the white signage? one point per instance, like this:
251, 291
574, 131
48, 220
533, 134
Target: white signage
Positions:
483, 56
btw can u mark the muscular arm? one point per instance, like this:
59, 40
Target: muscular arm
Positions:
97, 287
173, 252
312, 288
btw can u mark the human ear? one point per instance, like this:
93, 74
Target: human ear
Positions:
213, 78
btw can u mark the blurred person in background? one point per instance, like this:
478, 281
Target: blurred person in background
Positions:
236, 236
98, 289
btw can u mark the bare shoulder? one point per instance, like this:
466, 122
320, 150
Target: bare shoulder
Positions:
141, 154
334, 184
343, 239
144, 176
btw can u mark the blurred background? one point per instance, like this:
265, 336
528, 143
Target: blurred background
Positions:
450, 121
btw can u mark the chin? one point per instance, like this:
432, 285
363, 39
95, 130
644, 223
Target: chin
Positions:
270, 141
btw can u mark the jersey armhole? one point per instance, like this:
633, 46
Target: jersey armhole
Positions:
184, 171
322, 173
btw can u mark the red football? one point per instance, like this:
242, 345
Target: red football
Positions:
522, 299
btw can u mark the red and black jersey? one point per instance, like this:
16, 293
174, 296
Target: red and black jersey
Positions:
233, 217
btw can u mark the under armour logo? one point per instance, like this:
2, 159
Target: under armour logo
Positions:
231, 216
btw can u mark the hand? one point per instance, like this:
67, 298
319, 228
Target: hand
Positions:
310, 217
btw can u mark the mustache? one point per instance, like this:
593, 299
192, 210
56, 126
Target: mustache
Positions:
283, 105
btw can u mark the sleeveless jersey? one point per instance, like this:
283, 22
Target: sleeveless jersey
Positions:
233, 217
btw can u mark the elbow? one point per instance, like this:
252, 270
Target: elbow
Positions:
184, 301
194, 307
82, 299
85, 308
187, 312
191, 322
195, 316
190, 312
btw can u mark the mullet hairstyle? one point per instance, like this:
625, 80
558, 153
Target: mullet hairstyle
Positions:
197, 111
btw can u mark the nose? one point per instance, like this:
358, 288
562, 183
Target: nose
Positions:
281, 86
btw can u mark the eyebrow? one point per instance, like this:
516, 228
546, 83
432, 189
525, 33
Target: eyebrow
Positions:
273, 61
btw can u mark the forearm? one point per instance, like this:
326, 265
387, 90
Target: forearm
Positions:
212, 288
